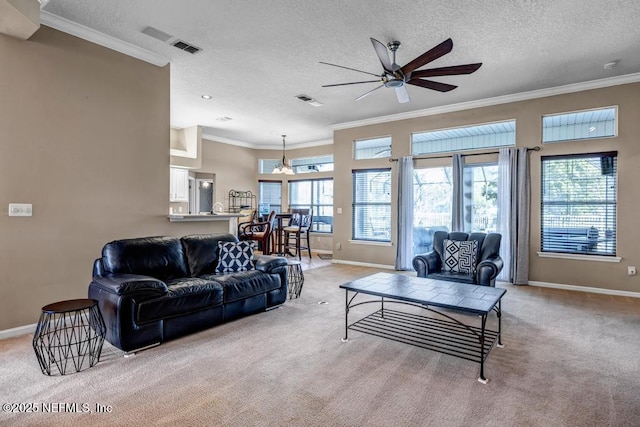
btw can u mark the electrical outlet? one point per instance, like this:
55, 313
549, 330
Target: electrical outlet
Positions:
631, 270
20, 209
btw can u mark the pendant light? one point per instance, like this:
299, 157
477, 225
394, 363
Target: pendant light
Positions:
283, 168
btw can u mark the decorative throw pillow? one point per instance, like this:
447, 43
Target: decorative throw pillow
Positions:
233, 257
460, 256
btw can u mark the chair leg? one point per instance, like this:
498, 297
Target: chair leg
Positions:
265, 246
308, 244
298, 250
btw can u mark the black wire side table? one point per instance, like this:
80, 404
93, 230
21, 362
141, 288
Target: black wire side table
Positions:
296, 278
69, 331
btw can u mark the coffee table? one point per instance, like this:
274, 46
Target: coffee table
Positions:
449, 335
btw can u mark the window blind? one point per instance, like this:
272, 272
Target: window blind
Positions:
371, 211
579, 203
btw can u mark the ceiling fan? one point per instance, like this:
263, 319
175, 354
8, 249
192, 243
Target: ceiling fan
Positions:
397, 77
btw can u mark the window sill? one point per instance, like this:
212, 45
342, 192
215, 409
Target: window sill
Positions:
370, 242
578, 257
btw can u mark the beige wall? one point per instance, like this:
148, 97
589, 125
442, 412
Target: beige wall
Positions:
234, 167
84, 137
528, 116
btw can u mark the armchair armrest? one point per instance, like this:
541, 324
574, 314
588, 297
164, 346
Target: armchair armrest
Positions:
268, 263
487, 271
130, 284
427, 263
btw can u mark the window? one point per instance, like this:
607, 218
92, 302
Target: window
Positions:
371, 205
433, 199
374, 148
316, 195
465, 138
302, 165
579, 203
588, 124
480, 197
432, 205
269, 197
266, 166
313, 164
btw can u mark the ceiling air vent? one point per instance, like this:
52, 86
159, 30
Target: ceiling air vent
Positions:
309, 100
186, 47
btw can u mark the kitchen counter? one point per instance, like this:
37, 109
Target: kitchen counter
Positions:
224, 216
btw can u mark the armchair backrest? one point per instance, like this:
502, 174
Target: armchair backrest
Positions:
488, 243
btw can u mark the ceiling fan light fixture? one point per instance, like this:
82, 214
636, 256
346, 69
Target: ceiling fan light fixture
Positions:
394, 83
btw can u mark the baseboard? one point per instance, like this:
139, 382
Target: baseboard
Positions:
585, 289
363, 264
16, 332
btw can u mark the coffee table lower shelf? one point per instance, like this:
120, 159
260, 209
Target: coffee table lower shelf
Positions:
444, 336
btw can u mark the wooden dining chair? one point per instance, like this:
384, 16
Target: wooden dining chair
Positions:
260, 232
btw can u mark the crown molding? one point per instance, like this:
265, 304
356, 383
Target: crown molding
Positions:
86, 33
487, 102
290, 146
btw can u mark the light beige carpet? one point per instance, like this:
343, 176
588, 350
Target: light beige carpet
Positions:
571, 359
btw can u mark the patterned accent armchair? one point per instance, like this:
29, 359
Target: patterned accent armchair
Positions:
455, 263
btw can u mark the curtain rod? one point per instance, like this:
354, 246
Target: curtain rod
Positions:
536, 148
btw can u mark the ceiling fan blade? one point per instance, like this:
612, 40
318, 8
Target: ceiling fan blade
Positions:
347, 68
430, 55
352, 83
429, 84
402, 94
447, 71
367, 93
383, 54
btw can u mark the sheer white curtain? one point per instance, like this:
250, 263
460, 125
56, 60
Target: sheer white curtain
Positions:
514, 194
404, 254
504, 209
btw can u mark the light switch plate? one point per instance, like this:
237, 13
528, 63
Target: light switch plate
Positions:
20, 209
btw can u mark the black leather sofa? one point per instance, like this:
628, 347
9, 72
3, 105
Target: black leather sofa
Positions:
154, 289
488, 266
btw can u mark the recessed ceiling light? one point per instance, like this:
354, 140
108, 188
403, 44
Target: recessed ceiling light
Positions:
206, 96
610, 65
224, 119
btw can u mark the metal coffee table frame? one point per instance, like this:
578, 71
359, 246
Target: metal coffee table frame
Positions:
449, 335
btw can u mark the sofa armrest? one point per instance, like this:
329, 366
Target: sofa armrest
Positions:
427, 263
487, 271
267, 263
121, 284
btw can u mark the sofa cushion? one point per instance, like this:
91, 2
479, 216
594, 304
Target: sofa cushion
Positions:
202, 251
184, 296
159, 257
234, 257
460, 256
245, 284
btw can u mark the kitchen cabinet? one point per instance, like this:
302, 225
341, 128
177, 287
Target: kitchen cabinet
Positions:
179, 187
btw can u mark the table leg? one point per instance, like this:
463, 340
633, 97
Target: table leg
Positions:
482, 378
346, 316
499, 313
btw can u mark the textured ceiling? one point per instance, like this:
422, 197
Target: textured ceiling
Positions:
258, 55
